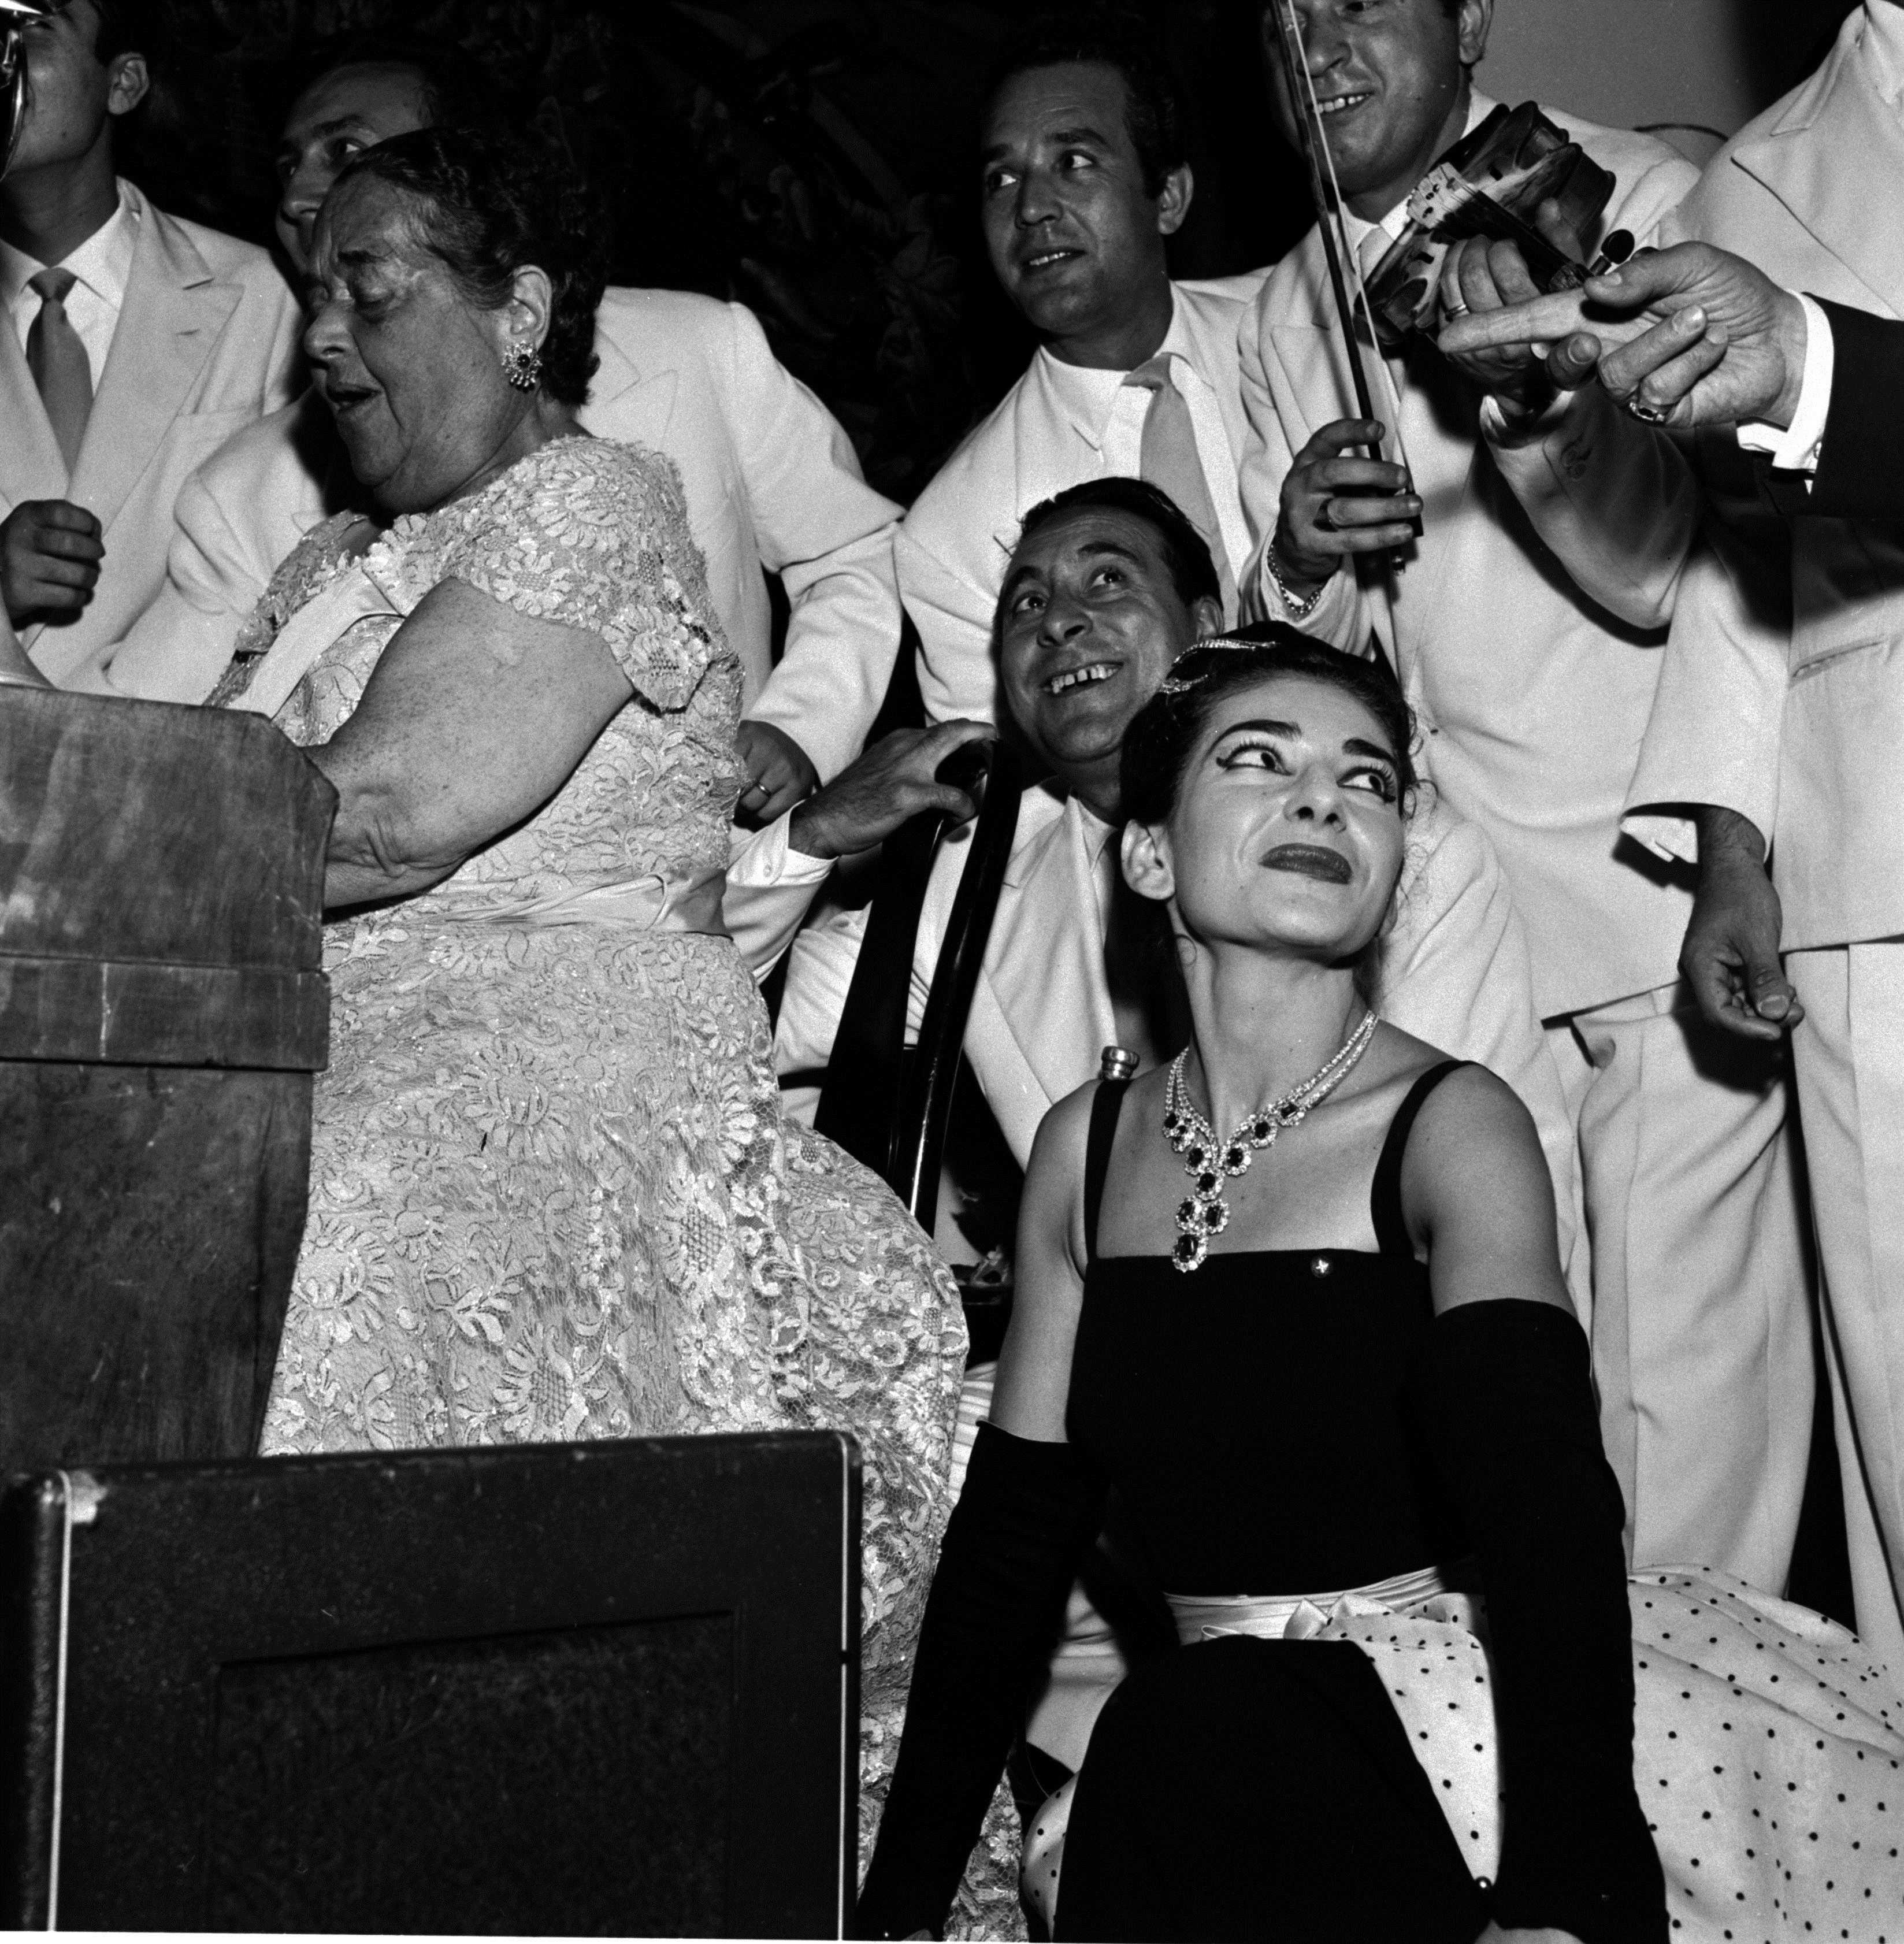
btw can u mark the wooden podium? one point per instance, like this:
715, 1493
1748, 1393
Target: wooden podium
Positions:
162, 1010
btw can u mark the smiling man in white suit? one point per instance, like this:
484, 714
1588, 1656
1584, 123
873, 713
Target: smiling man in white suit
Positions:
133, 345
770, 477
1532, 690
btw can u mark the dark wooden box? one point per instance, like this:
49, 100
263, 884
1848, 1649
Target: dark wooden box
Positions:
580, 1690
162, 1010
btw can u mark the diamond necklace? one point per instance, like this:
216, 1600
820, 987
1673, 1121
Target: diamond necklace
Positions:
1209, 1163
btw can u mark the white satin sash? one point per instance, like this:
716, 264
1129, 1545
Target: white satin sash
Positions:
329, 614
687, 902
1296, 1616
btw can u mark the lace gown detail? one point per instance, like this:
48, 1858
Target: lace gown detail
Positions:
552, 1194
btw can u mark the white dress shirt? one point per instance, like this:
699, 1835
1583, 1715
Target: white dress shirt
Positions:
101, 267
1111, 412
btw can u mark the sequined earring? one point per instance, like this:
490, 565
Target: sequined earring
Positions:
522, 366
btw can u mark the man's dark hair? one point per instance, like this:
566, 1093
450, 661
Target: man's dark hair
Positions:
129, 26
488, 204
458, 90
1193, 574
1154, 112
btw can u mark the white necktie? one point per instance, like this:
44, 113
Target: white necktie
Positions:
1169, 460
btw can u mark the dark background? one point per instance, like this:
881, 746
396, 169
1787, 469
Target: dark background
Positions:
812, 158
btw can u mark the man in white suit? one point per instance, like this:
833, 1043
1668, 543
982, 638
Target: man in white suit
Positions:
134, 345
1532, 690
771, 478
1776, 731
1084, 173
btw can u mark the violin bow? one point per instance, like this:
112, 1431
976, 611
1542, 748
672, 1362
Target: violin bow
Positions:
1344, 264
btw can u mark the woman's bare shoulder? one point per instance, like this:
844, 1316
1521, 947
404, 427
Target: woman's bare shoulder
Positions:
1064, 1132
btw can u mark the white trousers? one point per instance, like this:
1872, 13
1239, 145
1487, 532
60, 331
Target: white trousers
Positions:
1703, 1334
1849, 1052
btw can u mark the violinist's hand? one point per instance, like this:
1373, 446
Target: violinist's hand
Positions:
1334, 506
1479, 278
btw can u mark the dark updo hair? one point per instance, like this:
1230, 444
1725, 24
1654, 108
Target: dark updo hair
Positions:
488, 204
1153, 114
1158, 744
1185, 551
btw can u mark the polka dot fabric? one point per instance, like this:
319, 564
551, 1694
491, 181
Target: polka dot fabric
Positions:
1432, 1662
1767, 1752
1771, 1765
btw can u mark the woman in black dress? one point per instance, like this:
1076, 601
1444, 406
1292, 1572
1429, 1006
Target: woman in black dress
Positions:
1296, 1297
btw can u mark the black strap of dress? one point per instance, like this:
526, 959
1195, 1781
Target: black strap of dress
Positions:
1385, 1191
1105, 1106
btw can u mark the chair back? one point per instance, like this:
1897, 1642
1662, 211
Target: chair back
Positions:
886, 1107
585, 1689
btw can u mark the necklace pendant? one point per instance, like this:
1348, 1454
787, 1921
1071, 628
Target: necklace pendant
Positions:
1210, 1160
1202, 1218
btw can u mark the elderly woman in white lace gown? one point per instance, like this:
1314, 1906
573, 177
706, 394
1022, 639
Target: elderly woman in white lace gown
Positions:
552, 1195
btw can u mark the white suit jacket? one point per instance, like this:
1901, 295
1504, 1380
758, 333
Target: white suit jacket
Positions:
1782, 696
770, 477
207, 341
1453, 971
1532, 692
954, 543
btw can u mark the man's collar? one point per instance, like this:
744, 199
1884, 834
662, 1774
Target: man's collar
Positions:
1097, 833
103, 263
1479, 106
1088, 394
1883, 48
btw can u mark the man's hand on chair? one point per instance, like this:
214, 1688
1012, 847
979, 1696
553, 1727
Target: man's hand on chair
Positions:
891, 783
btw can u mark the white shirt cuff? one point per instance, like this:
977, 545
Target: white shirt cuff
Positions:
759, 859
1665, 836
1796, 448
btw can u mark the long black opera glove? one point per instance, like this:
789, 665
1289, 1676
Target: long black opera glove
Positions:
1026, 1514
1504, 1390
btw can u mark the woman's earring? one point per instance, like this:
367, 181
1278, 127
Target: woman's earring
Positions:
522, 366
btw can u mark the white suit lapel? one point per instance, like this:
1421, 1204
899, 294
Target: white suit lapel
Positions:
1047, 975
173, 313
642, 402
1827, 184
